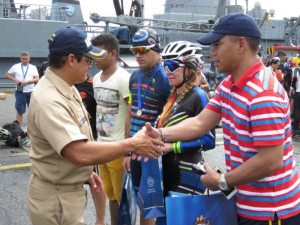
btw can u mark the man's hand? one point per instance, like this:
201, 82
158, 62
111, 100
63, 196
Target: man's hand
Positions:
126, 164
210, 178
3, 96
96, 182
151, 132
145, 145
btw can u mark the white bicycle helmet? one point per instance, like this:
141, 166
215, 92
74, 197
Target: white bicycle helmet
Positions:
183, 51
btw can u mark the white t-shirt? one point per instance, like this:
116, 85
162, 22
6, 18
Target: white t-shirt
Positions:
17, 72
111, 107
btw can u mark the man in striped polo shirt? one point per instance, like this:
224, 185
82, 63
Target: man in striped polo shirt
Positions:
255, 113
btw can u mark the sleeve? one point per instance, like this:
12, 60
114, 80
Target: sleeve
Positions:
35, 72
57, 124
268, 113
12, 70
124, 85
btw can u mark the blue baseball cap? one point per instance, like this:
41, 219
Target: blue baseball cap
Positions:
146, 37
237, 24
69, 40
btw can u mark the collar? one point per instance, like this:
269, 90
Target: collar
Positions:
148, 71
248, 75
62, 86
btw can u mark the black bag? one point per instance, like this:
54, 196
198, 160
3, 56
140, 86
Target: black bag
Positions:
15, 129
19, 88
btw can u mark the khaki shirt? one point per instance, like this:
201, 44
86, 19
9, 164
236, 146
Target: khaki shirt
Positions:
56, 117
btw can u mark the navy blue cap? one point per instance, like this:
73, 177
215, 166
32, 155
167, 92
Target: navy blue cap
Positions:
70, 40
146, 37
237, 24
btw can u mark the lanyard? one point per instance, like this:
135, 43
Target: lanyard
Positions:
24, 75
140, 102
166, 109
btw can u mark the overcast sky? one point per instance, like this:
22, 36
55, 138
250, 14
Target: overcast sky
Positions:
283, 8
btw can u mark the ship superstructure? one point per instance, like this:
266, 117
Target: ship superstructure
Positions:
26, 27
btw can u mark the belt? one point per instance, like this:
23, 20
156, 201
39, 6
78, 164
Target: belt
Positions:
49, 185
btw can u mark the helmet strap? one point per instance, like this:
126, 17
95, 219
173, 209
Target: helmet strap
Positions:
185, 79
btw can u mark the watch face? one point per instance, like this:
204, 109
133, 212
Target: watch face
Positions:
223, 185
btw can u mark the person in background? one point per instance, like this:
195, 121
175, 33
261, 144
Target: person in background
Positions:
269, 57
62, 151
287, 85
111, 93
186, 100
201, 80
25, 75
256, 128
283, 61
295, 87
148, 92
86, 92
273, 65
296, 58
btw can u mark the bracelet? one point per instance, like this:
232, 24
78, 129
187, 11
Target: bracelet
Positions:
127, 155
162, 135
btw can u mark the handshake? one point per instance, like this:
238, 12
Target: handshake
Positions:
149, 142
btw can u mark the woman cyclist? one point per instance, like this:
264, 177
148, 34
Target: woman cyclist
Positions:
186, 100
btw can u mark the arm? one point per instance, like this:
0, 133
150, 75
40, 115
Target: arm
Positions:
205, 142
187, 129
267, 161
33, 81
10, 77
84, 153
126, 158
127, 119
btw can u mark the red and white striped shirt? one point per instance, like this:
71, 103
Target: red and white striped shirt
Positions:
255, 112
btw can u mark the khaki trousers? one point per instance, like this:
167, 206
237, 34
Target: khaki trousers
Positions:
51, 204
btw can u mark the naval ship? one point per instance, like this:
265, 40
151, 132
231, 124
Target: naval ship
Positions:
27, 27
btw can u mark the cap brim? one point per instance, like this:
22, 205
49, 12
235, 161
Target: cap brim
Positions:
209, 38
96, 53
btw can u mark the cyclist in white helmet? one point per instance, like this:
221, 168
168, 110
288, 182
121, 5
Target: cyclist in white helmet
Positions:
186, 100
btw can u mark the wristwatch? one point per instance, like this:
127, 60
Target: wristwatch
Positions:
222, 183
29, 82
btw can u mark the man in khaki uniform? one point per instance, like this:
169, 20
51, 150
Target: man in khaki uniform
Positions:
63, 151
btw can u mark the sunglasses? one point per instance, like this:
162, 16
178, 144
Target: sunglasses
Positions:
172, 66
141, 49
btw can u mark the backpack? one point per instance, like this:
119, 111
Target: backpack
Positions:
16, 133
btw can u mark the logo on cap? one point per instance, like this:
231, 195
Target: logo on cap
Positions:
141, 35
151, 41
216, 23
88, 42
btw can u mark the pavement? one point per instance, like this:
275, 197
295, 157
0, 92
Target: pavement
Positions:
15, 171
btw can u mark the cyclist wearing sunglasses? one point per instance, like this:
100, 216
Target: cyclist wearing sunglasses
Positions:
148, 92
186, 100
